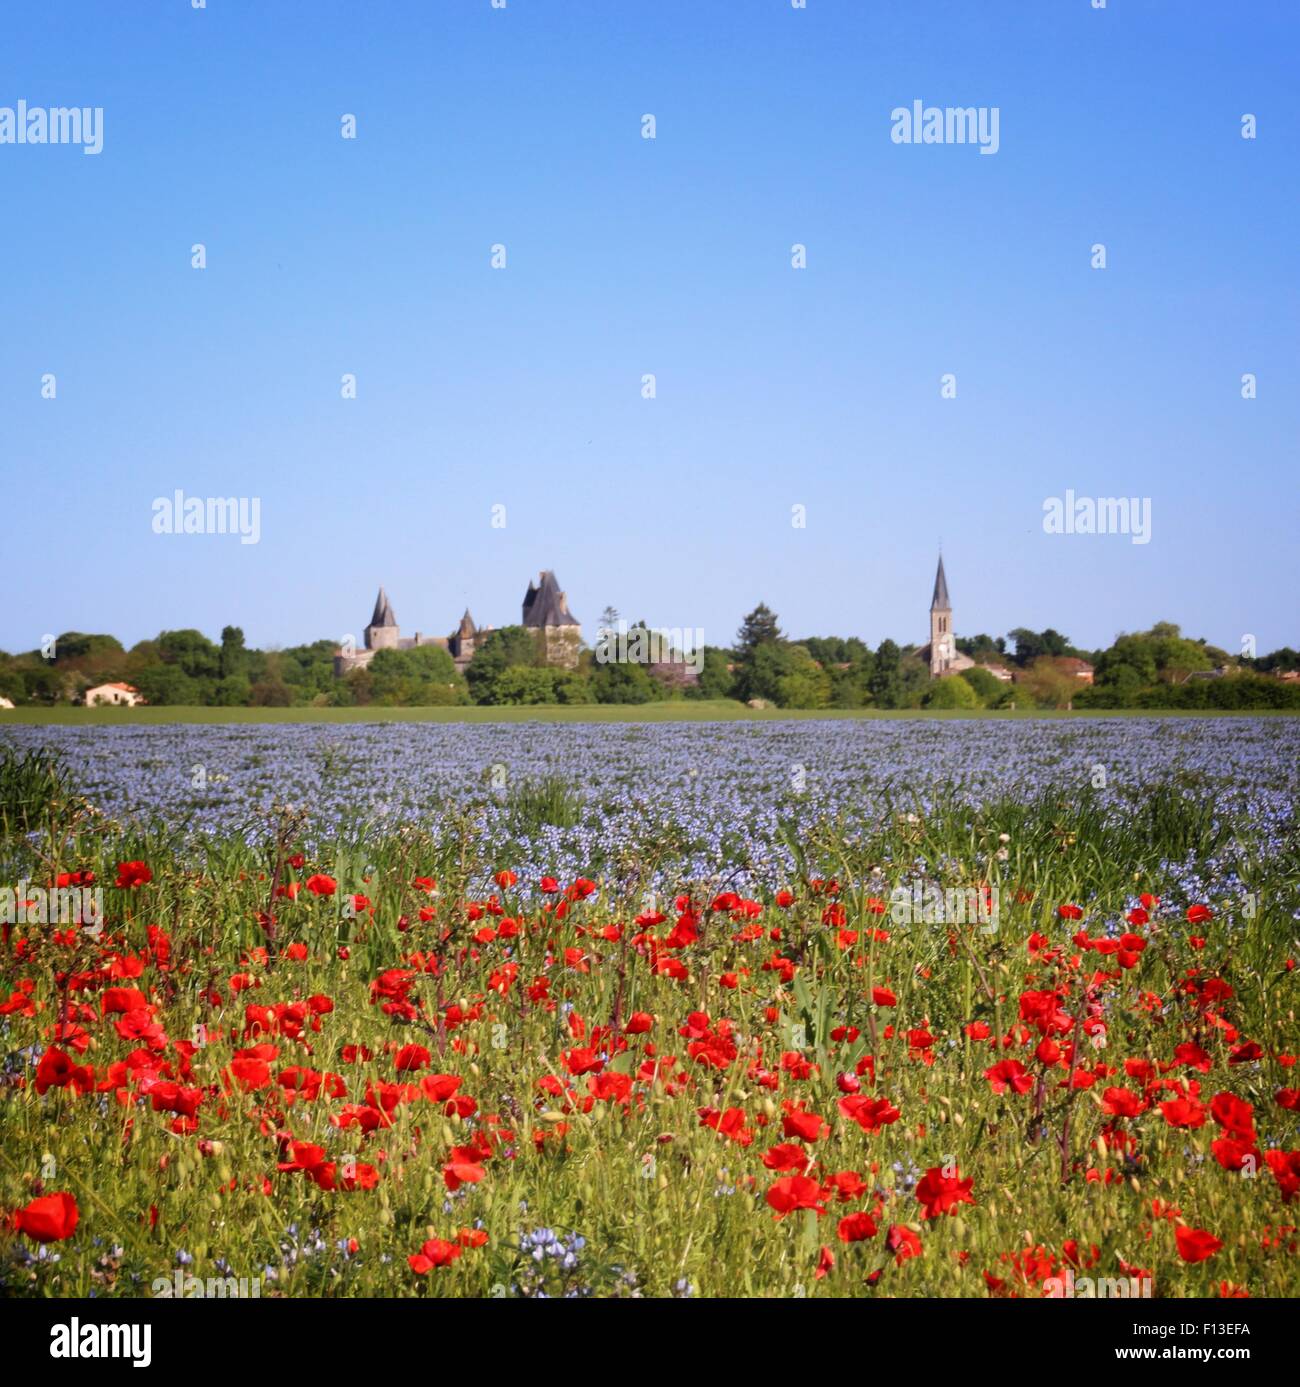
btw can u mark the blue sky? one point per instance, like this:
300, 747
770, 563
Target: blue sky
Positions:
775, 387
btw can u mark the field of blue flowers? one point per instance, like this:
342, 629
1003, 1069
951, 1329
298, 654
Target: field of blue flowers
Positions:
720, 799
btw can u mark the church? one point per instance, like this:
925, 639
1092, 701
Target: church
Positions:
545, 611
942, 654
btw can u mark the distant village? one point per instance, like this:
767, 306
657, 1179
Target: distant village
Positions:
543, 659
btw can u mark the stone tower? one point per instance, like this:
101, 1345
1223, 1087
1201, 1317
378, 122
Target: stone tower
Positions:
942, 648
383, 632
546, 611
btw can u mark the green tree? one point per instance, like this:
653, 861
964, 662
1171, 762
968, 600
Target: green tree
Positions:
622, 681
758, 628
716, 680
952, 691
234, 657
192, 652
167, 684
510, 646
886, 681
987, 689
526, 685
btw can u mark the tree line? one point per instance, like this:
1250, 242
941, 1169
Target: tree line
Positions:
1159, 668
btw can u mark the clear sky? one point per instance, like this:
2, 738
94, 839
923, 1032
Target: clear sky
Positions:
776, 387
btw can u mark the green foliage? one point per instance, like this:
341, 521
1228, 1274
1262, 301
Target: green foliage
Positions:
167, 684
716, 680
952, 691
885, 682
621, 681
32, 787
525, 685
191, 652
506, 648
987, 689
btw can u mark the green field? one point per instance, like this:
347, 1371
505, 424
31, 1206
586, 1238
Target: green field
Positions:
717, 710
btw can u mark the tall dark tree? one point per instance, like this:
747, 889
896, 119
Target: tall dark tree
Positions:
234, 657
758, 628
886, 683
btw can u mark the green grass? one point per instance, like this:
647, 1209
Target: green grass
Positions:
702, 710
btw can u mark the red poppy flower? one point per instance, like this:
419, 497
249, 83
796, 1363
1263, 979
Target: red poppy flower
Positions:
462, 1167
133, 874
49, 1219
940, 1193
795, 1192
1184, 1112
1195, 1244
856, 1228
871, 1114
1009, 1074
437, 1252
1197, 914
320, 885
1285, 1166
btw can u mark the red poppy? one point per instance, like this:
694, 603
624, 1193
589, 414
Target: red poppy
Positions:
795, 1192
871, 1114
1285, 1166
320, 885
940, 1193
1009, 1074
856, 1228
133, 874
49, 1219
1195, 1244
437, 1252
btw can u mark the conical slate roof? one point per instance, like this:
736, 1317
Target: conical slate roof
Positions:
383, 611
466, 627
939, 602
545, 604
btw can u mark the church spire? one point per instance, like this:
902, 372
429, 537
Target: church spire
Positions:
939, 602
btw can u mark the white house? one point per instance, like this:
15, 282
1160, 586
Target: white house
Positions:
121, 695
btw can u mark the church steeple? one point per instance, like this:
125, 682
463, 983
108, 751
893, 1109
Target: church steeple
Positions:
941, 639
939, 602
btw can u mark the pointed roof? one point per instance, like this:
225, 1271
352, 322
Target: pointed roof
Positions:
545, 604
383, 611
939, 602
466, 627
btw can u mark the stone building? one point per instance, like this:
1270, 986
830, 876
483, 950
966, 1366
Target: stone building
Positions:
942, 654
545, 610
383, 633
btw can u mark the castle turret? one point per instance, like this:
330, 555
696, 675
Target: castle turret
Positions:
546, 610
383, 632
